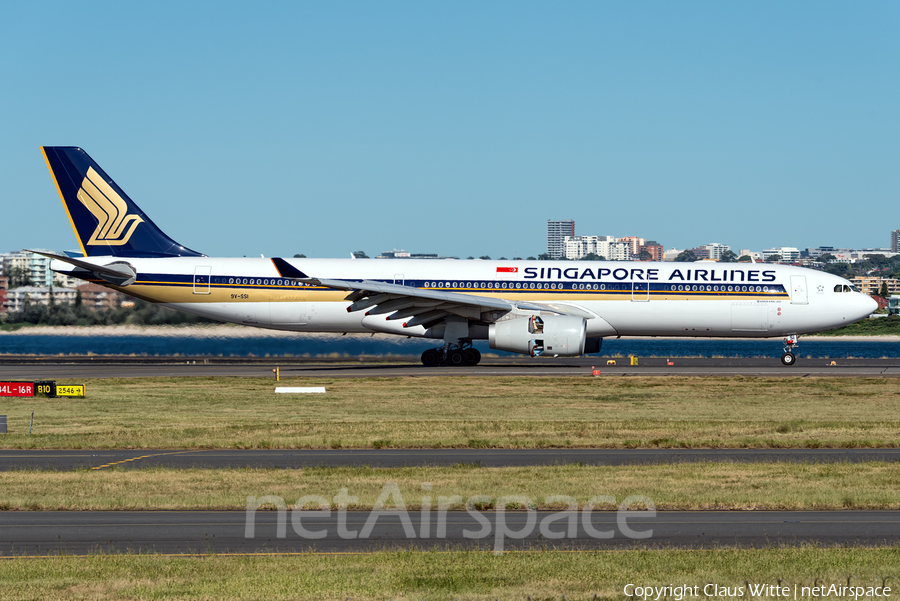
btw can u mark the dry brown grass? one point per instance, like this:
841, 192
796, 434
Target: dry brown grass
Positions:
462, 575
465, 412
682, 486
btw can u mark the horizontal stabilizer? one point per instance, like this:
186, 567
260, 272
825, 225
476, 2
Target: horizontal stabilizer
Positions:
117, 273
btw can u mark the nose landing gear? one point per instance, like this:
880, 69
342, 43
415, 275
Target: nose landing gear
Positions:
456, 355
788, 358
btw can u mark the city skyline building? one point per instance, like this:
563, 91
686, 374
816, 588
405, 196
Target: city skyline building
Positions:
746, 252
608, 247
714, 250
402, 254
37, 295
872, 285
654, 249
95, 296
634, 244
787, 253
36, 267
556, 236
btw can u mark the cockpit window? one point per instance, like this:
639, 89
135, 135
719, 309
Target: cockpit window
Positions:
845, 288
852, 288
838, 288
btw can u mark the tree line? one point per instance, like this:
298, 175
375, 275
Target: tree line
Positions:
77, 314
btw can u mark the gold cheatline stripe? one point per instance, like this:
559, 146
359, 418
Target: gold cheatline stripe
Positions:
532, 291
235, 286
183, 293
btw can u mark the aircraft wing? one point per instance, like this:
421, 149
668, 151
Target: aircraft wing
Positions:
422, 307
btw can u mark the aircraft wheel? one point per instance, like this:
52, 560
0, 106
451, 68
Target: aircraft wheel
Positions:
472, 356
788, 358
457, 358
430, 358
477, 356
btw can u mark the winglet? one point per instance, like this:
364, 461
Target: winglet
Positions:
286, 270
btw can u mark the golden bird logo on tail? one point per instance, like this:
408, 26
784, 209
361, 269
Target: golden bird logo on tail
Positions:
114, 225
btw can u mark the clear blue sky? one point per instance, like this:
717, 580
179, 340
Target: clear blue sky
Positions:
459, 127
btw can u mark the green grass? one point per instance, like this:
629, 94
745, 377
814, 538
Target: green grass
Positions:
462, 411
694, 486
444, 412
414, 575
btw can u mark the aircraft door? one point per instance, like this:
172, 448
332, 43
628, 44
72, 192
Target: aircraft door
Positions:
308, 310
640, 291
798, 290
202, 277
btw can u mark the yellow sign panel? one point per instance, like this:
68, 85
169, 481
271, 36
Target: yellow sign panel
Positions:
77, 390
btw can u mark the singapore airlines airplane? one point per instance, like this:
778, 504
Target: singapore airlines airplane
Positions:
551, 308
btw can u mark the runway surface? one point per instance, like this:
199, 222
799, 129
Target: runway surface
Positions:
79, 368
79, 532
65, 460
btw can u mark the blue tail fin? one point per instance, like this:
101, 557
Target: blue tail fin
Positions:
105, 220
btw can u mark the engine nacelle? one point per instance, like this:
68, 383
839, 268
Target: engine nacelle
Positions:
553, 334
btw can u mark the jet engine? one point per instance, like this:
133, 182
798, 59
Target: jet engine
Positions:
536, 335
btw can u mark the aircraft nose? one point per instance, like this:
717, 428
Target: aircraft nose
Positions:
868, 305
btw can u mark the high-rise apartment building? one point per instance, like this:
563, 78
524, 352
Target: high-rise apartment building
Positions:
895, 241
578, 247
4, 284
654, 249
37, 295
787, 253
634, 243
556, 237
36, 267
712, 251
872, 285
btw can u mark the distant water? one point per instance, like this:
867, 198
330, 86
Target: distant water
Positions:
300, 345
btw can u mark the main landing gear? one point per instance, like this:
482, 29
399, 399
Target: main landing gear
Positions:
788, 358
455, 355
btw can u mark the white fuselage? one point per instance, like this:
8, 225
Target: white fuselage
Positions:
703, 299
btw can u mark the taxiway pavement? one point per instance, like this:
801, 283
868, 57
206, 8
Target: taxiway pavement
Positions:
65, 460
79, 532
80, 368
